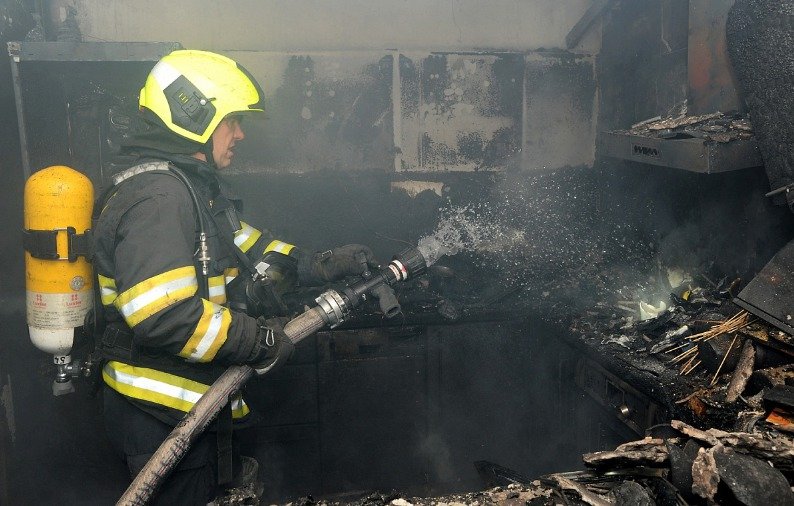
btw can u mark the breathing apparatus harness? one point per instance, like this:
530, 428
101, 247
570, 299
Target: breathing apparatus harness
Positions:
203, 213
202, 256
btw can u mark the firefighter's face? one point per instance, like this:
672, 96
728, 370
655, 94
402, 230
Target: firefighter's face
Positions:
225, 136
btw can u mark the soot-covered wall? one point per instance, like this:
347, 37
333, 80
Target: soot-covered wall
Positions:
15, 21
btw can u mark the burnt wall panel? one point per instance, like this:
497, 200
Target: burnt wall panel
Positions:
712, 83
464, 114
334, 111
642, 66
324, 111
558, 121
67, 119
15, 21
46, 115
670, 86
675, 25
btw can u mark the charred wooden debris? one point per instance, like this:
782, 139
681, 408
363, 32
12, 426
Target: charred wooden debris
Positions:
717, 127
712, 363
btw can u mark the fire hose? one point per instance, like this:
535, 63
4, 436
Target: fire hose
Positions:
333, 308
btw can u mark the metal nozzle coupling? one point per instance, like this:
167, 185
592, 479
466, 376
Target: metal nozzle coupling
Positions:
335, 310
408, 263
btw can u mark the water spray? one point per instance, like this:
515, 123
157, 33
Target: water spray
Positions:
468, 228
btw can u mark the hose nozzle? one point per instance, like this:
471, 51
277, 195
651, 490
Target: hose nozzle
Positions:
408, 263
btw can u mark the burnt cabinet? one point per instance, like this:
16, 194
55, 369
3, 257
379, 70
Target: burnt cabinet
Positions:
412, 407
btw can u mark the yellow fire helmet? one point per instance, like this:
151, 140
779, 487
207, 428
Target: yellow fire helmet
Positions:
191, 91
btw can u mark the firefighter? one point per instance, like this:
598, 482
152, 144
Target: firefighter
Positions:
175, 268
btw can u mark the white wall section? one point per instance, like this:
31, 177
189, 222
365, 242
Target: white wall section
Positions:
438, 25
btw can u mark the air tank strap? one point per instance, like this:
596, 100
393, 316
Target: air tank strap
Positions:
43, 244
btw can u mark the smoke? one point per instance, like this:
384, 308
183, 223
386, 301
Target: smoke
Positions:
437, 451
566, 240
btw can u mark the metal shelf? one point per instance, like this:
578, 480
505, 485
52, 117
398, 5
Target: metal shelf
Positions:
695, 155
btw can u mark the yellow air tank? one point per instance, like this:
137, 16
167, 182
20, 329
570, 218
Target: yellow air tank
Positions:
58, 277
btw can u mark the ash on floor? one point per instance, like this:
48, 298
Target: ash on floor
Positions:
513, 494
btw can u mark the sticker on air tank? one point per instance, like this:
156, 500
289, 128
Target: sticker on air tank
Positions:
57, 310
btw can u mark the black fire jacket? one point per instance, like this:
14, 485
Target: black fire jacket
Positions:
169, 335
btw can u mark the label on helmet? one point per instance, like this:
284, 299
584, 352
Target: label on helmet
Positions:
190, 109
57, 310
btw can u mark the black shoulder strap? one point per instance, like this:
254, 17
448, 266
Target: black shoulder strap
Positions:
226, 232
165, 168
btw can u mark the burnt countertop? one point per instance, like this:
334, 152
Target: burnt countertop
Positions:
604, 331
648, 356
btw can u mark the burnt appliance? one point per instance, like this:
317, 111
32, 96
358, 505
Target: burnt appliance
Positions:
692, 81
769, 295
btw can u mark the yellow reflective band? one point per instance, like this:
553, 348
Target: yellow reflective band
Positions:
230, 274
210, 334
217, 289
107, 289
246, 237
160, 388
156, 293
279, 247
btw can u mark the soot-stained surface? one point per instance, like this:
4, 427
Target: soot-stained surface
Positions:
559, 242
761, 46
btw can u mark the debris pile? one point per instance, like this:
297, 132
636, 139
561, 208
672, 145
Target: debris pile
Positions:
716, 127
721, 359
679, 465
514, 494
702, 467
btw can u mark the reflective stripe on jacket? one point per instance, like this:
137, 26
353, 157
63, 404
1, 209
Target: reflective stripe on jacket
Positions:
160, 388
150, 284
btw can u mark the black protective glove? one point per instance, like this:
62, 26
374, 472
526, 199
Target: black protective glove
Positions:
334, 265
273, 347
